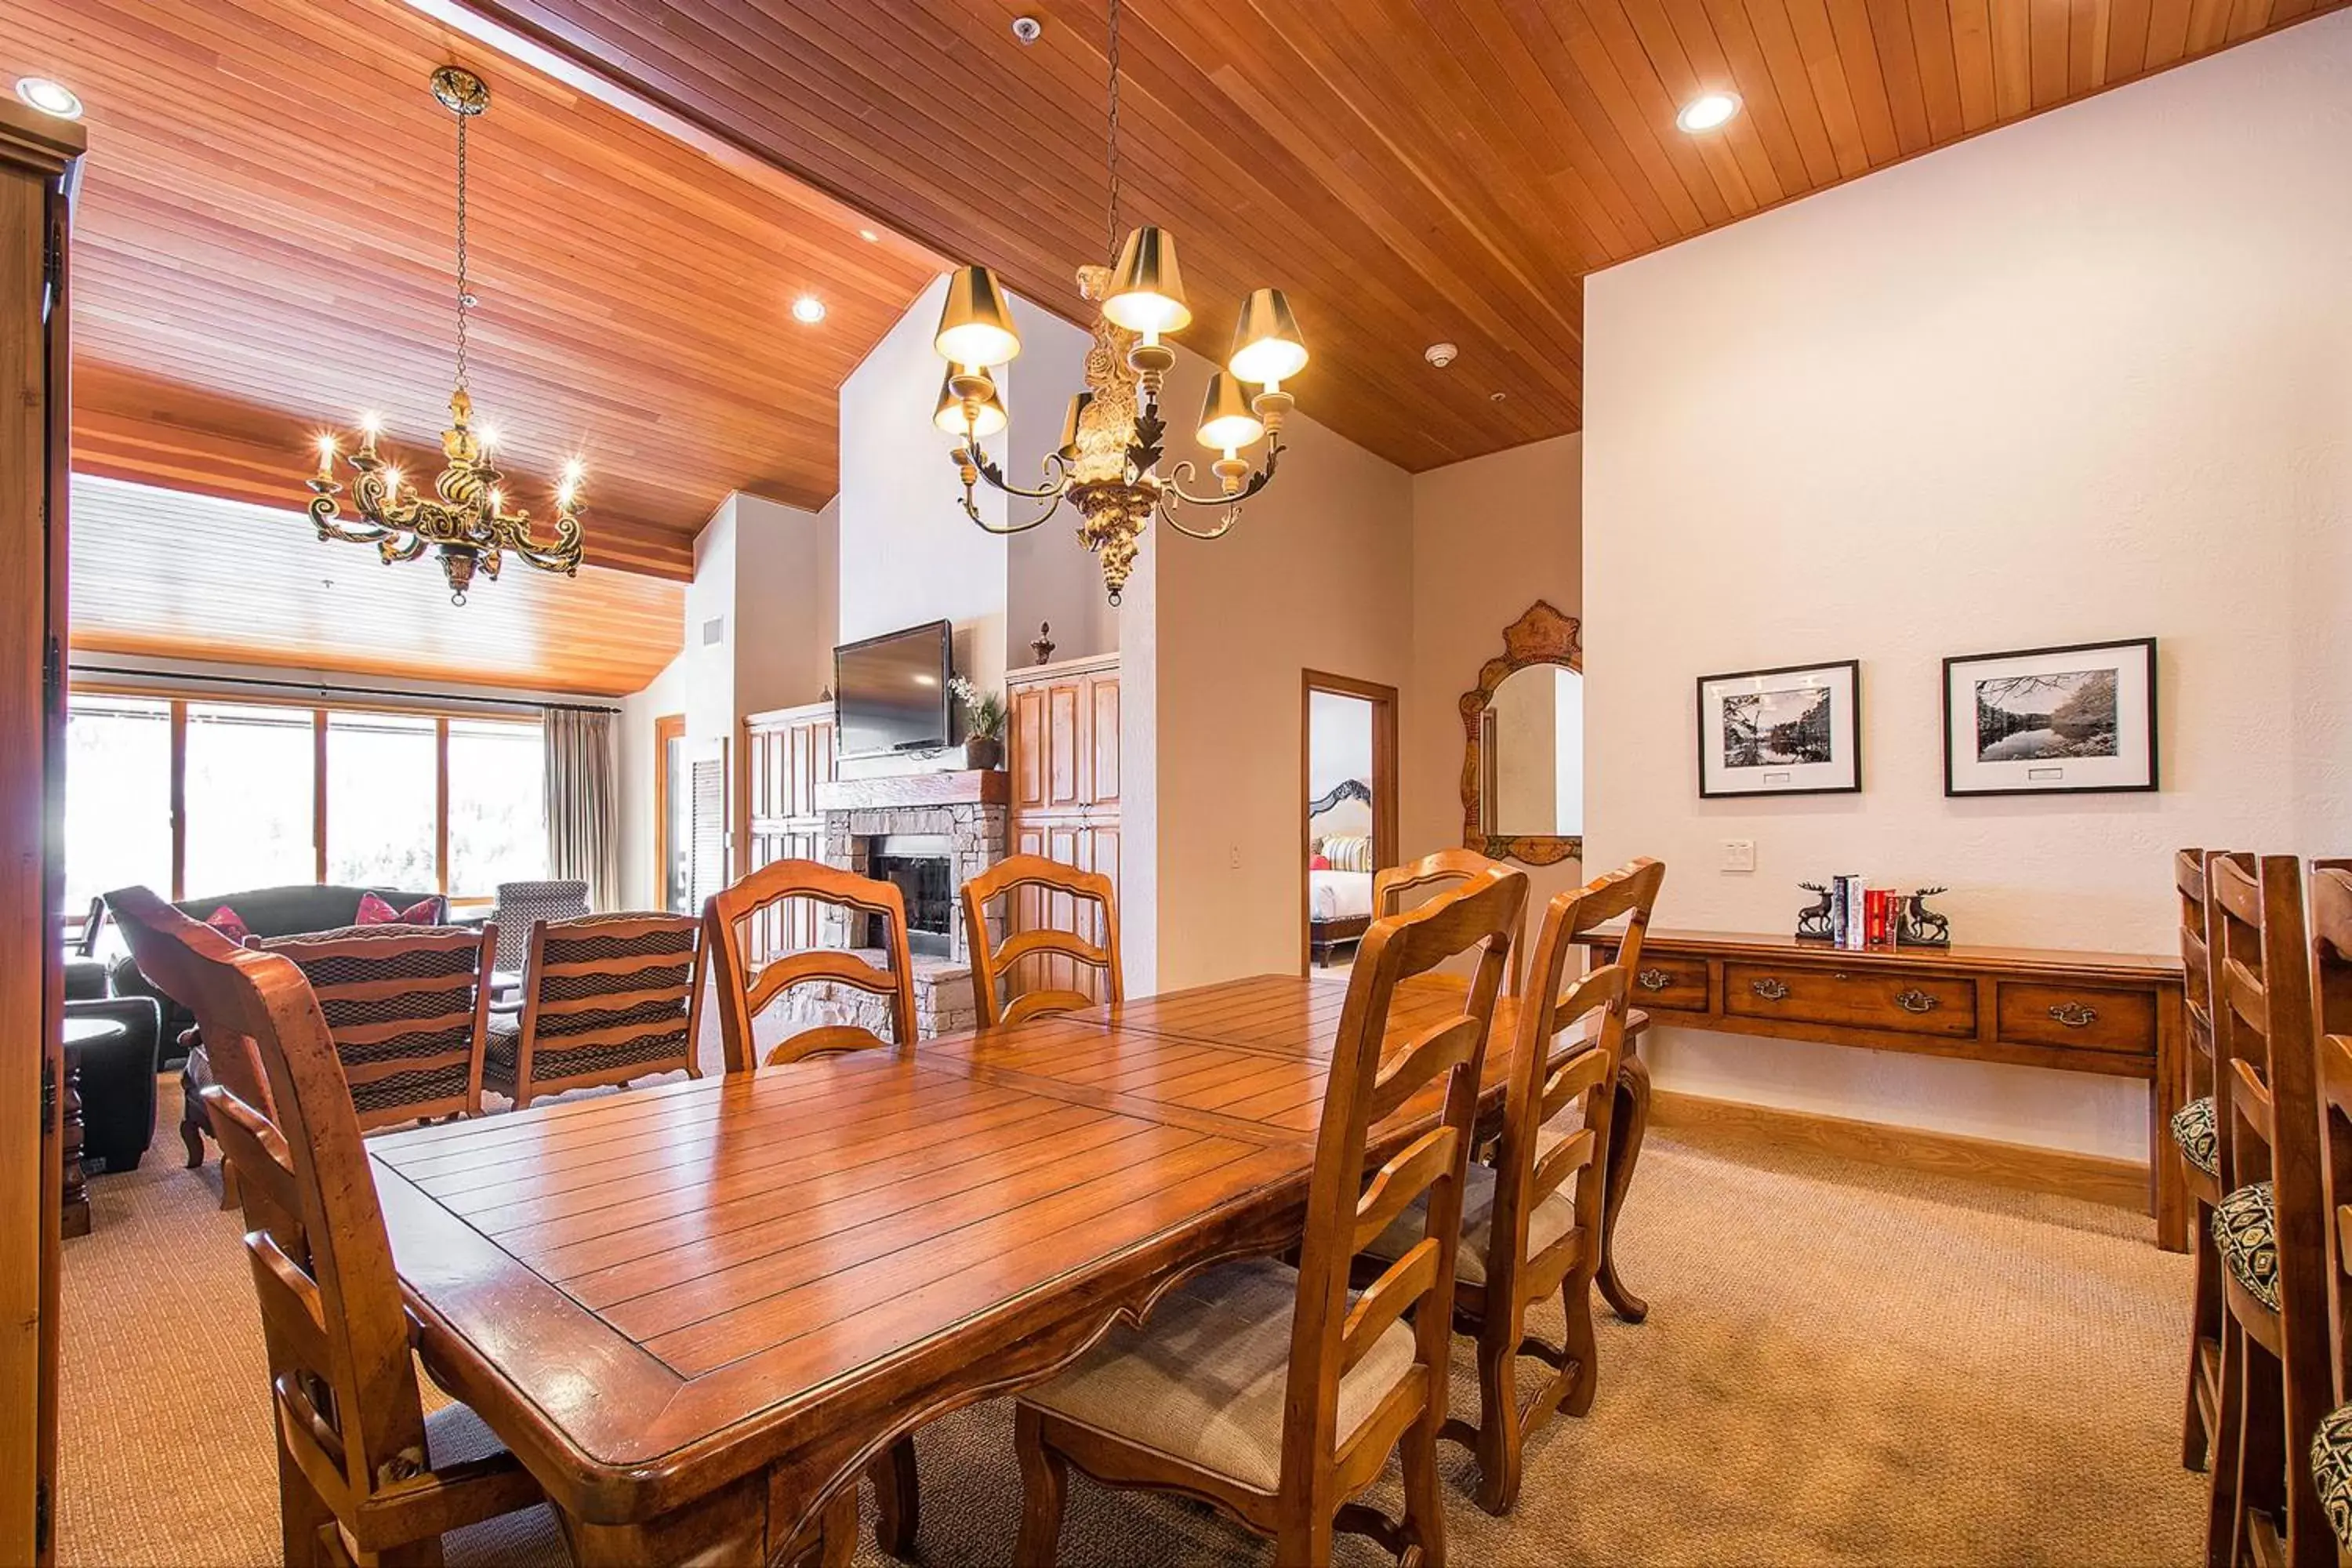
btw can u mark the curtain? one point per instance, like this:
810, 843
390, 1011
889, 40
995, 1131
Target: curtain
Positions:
583, 802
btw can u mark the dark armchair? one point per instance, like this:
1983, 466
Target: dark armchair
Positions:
117, 1082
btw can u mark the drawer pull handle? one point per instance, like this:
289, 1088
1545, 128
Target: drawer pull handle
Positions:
1768, 988
1917, 1001
2076, 1015
1654, 979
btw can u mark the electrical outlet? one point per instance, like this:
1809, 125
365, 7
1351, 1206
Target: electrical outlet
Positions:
1234, 856
1740, 854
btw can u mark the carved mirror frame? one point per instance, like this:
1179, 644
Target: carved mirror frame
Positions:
1542, 636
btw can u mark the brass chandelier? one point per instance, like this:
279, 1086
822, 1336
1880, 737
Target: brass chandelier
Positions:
464, 518
1107, 466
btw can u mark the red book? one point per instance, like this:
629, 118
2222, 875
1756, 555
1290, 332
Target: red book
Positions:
1878, 916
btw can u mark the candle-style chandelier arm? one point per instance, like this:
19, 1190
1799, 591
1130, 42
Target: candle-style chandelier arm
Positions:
563, 555
978, 465
1172, 491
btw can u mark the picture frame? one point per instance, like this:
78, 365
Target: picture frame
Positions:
2076, 719
1792, 729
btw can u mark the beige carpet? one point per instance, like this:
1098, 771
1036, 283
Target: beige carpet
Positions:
1842, 1366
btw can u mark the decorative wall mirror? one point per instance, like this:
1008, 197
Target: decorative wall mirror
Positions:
1523, 766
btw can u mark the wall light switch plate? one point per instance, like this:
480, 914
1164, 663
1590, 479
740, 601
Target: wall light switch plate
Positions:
1740, 854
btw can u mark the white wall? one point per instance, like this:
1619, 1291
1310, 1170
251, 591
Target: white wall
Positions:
787, 603
2086, 376
709, 665
1318, 575
1490, 537
907, 553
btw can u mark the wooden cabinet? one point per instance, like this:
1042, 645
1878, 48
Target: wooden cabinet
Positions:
787, 755
2115, 1014
37, 168
1062, 749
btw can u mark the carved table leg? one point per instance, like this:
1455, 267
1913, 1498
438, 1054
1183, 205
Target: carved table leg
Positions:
731, 1526
1630, 1118
73, 1213
896, 1495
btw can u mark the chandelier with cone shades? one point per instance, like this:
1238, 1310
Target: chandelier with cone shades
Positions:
1108, 467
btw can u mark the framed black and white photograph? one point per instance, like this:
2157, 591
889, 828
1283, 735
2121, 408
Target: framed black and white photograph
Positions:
2052, 721
1794, 730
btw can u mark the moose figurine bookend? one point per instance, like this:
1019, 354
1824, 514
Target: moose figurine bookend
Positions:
1917, 926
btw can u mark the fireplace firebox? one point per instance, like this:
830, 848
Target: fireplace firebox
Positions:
921, 867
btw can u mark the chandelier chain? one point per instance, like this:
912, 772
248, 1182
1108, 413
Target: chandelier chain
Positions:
1110, 249
465, 297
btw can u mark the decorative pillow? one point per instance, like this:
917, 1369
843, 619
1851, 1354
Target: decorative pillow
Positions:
1349, 851
230, 924
1320, 863
375, 912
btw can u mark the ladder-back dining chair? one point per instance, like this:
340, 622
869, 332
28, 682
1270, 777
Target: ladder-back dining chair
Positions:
2197, 1138
364, 1475
1039, 960
742, 940
1396, 887
1273, 1392
605, 999
408, 1007
2331, 948
1531, 1222
2269, 1227
741, 933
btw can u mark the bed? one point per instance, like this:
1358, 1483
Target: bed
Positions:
1339, 869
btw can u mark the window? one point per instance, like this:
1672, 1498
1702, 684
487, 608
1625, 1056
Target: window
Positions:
382, 800
117, 797
251, 798
266, 796
497, 811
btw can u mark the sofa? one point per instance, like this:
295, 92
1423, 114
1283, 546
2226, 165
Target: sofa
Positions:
118, 1082
267, 913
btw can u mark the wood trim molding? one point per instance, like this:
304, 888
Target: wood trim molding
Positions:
1383, 700
1542, 636
2093, 1178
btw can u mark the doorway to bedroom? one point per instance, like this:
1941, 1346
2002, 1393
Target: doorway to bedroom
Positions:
1348, 784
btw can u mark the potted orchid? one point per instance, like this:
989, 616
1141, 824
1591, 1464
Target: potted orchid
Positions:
983, 723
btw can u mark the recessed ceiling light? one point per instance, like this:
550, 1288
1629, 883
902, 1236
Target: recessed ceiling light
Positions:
1440, 354
1708, 111
49, 97
869, 237
808, 308
1028, 29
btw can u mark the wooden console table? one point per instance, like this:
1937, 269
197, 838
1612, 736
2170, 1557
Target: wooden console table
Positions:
2115, 1014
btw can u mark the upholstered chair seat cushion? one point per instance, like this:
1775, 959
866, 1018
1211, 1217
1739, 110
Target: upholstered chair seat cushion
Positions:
1203, 1381
2245, 1228
2331, 1471
2199, 1141
1553, 1218
528, 1538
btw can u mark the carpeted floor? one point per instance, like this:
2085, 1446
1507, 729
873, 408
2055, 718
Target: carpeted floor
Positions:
1842, 1364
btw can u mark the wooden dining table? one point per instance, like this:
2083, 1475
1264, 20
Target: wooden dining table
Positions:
696, 1311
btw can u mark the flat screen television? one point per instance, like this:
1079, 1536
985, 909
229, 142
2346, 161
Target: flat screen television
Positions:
890, 694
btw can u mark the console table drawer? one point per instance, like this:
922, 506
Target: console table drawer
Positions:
2078, 1017
1908, 1002
1677, 984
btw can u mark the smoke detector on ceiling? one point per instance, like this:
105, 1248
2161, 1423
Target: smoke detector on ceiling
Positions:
1440, 354
1027, 29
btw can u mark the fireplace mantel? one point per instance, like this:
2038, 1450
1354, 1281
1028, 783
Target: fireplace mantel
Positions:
990, 787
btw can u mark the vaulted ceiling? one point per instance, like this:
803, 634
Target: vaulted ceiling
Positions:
263, 248
1410, 171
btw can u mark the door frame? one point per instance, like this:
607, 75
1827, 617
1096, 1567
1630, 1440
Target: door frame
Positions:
669, 727
1383, 700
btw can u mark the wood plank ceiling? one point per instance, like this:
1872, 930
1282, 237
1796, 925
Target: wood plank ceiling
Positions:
1409, 170
152, 570
264, 248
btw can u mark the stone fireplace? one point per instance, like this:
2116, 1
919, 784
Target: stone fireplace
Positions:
927, 834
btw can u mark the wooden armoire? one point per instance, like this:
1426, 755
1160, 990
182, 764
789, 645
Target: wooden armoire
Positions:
38, 164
